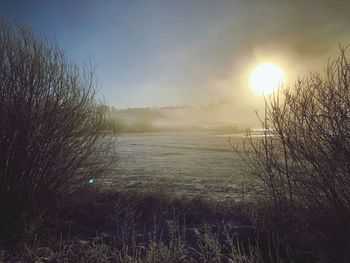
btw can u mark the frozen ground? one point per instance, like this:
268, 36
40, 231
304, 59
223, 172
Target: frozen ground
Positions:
180, 163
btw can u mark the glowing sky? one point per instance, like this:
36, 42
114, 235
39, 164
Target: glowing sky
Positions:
157, 53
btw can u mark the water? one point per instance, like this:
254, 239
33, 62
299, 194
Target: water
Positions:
180, 163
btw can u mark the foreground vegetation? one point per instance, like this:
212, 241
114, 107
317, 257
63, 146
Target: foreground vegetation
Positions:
303, 160
139, 226
147, 227
51, 136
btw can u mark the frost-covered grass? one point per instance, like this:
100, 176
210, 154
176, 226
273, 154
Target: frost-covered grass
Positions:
151, 226
138, 227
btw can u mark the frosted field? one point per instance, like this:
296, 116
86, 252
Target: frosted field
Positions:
180, 163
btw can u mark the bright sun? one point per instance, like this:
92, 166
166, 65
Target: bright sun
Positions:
266, 78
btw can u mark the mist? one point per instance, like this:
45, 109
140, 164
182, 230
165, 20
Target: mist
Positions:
220, 116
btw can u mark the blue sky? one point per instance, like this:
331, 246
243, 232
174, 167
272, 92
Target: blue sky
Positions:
157, 53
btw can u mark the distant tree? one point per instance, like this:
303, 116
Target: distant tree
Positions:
51, 139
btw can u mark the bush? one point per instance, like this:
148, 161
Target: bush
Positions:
51, 138
303, 160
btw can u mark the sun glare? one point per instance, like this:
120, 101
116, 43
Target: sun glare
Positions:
266, 78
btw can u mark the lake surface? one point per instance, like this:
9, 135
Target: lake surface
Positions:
180, 163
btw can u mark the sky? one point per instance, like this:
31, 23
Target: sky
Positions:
154, 53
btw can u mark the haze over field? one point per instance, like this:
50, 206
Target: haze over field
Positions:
215, 117
175, 53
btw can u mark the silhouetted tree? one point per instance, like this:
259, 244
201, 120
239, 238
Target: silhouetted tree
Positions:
303, 159
51, 138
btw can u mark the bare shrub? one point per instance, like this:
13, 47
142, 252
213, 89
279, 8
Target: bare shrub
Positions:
51, 138
303, 160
